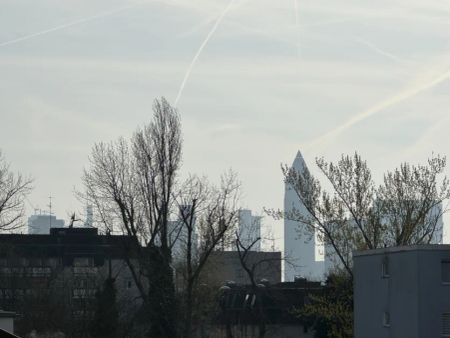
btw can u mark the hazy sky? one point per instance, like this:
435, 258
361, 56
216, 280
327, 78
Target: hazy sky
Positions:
269, 78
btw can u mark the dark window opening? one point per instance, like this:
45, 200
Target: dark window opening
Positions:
445, 271
385, 268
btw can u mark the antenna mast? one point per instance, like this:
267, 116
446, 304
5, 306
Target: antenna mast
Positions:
50, 212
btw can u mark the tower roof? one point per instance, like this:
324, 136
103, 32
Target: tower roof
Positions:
299, 163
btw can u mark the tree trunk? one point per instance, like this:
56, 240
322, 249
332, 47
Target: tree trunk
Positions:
189, 305
190, 281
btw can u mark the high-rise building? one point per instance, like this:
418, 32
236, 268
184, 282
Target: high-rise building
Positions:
249, 229
40, 224
178, 233
300, 248
89, 222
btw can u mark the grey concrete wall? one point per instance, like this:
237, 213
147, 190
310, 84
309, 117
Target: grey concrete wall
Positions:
414, 294
225, 266
434, 296
396, 294
401, 298
7, 324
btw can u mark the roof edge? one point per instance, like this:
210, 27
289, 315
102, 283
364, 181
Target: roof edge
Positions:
396, 249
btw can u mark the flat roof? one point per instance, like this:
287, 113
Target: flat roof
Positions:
7, 314
396, 249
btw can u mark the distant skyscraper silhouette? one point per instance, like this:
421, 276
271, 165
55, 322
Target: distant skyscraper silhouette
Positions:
299, 248
250, 229
89, 222
40, 224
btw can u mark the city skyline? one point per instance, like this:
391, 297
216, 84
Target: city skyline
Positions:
261, 88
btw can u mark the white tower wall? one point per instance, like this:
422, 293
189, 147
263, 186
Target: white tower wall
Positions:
299, 247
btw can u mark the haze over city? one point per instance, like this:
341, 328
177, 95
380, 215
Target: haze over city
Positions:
254, 82
224, 169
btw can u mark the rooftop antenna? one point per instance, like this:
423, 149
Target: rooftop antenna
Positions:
50, 212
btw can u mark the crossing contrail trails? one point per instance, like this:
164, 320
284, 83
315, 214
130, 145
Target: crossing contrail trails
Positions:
202, 46
69, 24
400, 97
208, 21
379, 50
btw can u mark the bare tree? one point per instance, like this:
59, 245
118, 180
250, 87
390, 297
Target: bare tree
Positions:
157, 150
243, 251
131, 185
13, 190
207, 213
358, 215
252, 267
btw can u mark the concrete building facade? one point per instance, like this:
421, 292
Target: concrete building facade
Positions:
54, 278
225, 266
6, 322
242, 309
402, 292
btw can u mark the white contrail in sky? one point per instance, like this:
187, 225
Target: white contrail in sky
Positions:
297, 25
202, 46
379, 50
208, 21
400, 97
69, 24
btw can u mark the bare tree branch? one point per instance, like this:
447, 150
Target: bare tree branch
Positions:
14, 188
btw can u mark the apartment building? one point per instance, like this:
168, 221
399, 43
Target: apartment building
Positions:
402, 292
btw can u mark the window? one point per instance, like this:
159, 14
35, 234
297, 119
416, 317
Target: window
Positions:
80, 283
445, 271
83, 261
84, 293
35, 262
82, 270
386, 319
446, 324
38, 272
129, 284
24, 262
385, 268
52, 262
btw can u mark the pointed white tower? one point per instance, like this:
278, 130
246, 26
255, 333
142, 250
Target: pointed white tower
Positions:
299, 248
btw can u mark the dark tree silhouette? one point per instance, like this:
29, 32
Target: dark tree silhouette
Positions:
131, 185
13, 190
106, 318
